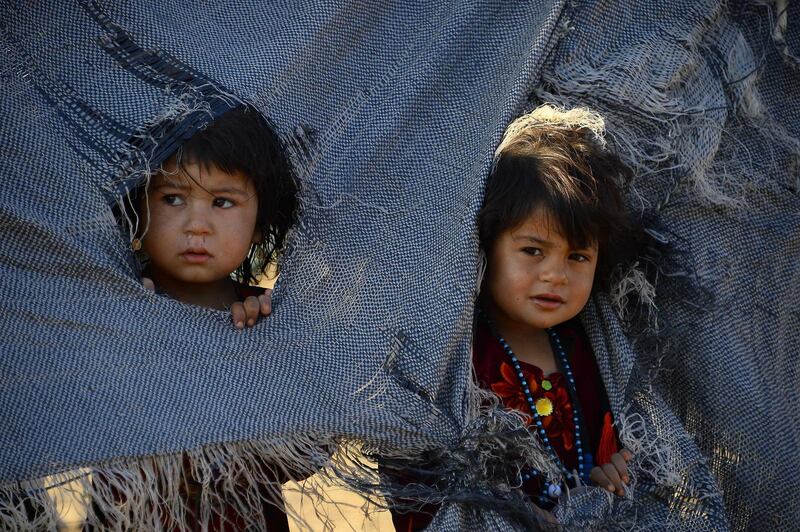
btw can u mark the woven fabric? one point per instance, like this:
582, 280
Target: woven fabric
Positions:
702, 99
406, 103
370, 337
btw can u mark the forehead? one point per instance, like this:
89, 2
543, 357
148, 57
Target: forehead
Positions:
542, 225
186, 175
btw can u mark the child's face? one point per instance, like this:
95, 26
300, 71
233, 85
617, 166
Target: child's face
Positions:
199, 230
535, 280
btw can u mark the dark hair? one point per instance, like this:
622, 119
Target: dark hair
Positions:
243, 140
565, 169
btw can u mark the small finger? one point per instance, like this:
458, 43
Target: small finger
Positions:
238, 315
622, 467
266, 302
148, 284
597, 476
626, 454
611, 472
251, 310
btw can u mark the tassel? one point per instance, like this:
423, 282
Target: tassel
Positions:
608, 441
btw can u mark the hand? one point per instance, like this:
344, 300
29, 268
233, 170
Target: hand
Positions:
613, 476
248, 311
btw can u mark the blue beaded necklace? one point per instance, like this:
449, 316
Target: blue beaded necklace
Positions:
549, 490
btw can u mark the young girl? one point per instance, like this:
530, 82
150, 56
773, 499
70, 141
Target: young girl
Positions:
209, 221
216, 214
552, 228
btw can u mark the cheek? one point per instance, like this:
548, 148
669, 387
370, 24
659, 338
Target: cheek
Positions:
249, 217
506, 287
583, 284
239, 232
157, 244
157, 220
520, 279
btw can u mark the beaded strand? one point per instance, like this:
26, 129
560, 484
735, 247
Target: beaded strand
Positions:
549, 490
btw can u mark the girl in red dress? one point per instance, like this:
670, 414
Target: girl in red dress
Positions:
553, 226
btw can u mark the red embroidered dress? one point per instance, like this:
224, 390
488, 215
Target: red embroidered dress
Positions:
495, 372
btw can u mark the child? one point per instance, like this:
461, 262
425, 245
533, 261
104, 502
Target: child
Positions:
219, 207
214, 217
551, 228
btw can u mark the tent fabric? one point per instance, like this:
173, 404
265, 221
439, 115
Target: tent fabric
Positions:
702, 99
370, 337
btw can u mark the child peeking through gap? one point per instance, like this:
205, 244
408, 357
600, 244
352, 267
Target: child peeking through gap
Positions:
216, 214
211, 220
553, 226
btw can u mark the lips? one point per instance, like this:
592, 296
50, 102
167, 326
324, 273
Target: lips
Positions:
548, 301
196, 255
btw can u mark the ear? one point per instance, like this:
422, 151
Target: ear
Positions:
257, 236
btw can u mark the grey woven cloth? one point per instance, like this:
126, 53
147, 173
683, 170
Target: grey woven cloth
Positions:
703, 98
370, 339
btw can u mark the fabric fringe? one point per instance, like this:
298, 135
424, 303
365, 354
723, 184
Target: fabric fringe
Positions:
634, 282
481, 470
230, 484
779, 33
653, 453
226, 483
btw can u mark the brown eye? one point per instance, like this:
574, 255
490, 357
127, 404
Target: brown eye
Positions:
223, 203
532, 251
173, 199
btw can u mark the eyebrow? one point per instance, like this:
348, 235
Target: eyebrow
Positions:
226, 190
534, 239
213, 191
547, 243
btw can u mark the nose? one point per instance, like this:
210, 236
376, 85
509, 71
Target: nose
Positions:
198, 221
553, 271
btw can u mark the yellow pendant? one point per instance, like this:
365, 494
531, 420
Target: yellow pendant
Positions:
544, 407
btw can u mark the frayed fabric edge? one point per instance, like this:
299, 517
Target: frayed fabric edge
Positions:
480, 472
231, 485
221, 485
